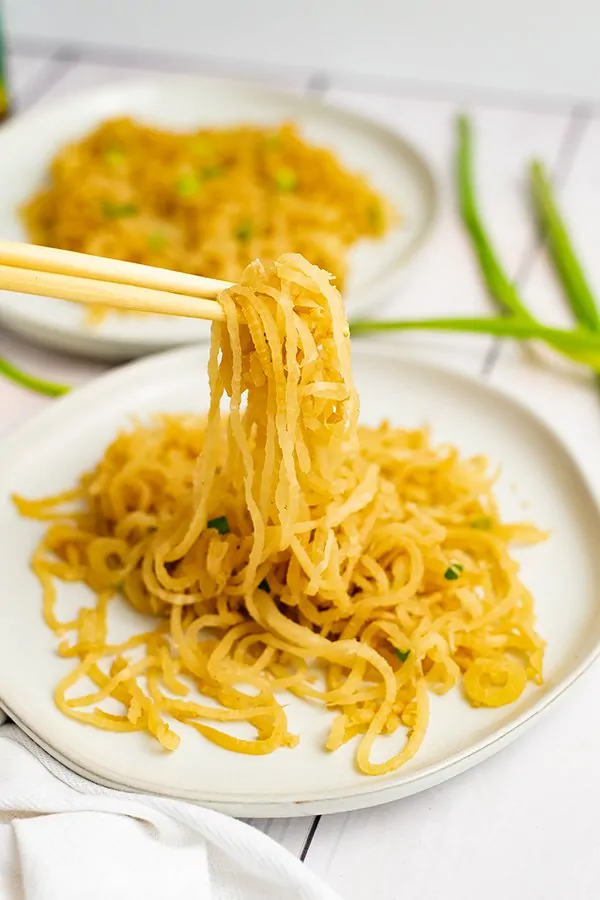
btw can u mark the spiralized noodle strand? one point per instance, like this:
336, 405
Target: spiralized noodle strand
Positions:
281, 547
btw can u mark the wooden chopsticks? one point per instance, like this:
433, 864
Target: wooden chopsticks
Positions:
94, 280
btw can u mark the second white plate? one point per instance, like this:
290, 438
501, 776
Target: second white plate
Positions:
28, 143
49, 453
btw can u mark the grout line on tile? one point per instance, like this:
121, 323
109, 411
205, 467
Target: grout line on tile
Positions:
58, 64
137, 57
319, 84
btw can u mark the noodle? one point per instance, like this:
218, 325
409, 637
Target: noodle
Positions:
281, 546
206, 202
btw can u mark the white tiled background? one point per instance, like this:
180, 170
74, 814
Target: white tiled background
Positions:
525, 824
542, 46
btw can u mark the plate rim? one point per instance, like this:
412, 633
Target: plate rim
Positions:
96, 343
374, 792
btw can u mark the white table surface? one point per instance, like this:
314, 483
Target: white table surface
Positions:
525, 824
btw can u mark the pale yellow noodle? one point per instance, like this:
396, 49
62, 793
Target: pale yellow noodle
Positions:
206, 202
281, 547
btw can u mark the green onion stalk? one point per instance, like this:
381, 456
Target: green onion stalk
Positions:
583, 346
32, 382
562, 253
580, 344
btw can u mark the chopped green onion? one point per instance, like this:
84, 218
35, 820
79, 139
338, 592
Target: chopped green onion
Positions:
115, 156
264, 586
244, 231
157, 242
402, 654
119, 210
187, 185
200, 146
220, 524
484, 523
562, 252
208, 173
31, 382
375, 217
273, 142
286, 180
453, 572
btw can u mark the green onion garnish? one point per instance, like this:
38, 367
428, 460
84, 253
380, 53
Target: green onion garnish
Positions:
375, 218
562, 252
273, 142
582, 346
453, 572
115, 156
187, 185
579, 344
220, 524
244, 231
199, 145
208, 173
484, 523
157, 242
498, 283
119, 210
286, 180
32, 382
402, 654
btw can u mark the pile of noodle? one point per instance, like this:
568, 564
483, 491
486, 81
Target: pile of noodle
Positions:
279, 547
206, 202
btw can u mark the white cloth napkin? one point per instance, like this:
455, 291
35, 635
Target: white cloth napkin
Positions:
64, 838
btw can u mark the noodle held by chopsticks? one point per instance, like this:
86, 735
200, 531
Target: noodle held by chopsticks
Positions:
281, 547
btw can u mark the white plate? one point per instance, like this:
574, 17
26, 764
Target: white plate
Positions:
49, 453
28, 143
